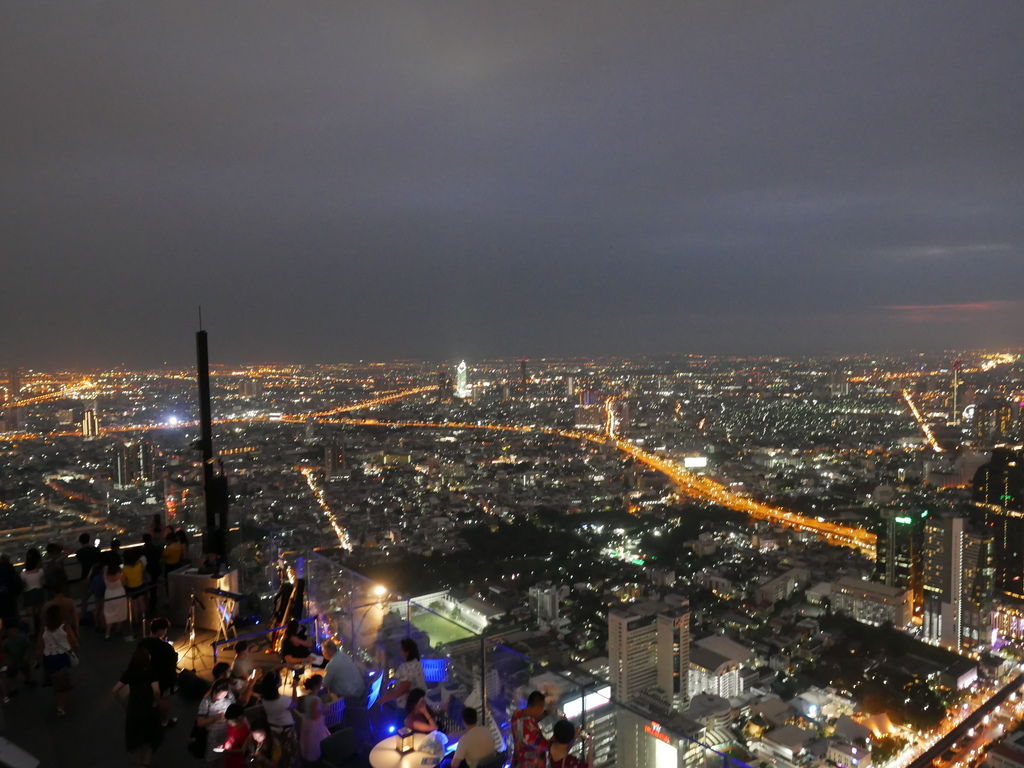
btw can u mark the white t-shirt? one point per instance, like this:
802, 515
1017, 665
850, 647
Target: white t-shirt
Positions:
475, 745
279, 711
56, 642
412, 671
217, 732
32, 579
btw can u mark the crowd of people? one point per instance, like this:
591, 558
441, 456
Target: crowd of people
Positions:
271, 717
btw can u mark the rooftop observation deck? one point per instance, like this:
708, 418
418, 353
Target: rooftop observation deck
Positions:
460, 659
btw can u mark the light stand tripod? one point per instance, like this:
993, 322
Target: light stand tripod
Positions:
192, 652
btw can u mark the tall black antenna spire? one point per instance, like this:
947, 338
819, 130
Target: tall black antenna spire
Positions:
215, 484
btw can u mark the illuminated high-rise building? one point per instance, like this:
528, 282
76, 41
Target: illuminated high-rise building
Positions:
523, 377
334, 459
13, 383
252, 388
463, 388
648, 649
569, 388
999, 495
899, 559
90, 424
133, 464
959, 581
993, 420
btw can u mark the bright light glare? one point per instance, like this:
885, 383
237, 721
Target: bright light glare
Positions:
380, 590
173, 420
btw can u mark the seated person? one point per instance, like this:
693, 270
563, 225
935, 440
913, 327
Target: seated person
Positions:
237, 737
561, 741
475, 745
244, 665
296, 646
419, 718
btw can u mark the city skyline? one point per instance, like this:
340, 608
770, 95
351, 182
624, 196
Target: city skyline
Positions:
342, 183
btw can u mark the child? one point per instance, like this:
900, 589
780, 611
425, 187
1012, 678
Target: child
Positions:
237, 737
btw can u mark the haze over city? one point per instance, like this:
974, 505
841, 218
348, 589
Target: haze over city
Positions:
343, 182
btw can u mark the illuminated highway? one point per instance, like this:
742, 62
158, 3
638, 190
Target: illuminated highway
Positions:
926, 428
72, 390
318, 493
691, 485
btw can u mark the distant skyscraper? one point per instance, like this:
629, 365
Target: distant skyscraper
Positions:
334, 459
993, 421
463, 388
569, 388
90, 424
252, 388
959, 580
956, 393
133, 464
522, 372
13, 383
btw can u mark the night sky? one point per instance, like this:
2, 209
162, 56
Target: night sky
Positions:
342, 180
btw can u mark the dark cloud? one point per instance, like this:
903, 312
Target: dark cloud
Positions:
339, 180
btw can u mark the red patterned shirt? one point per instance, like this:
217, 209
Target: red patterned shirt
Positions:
529, 747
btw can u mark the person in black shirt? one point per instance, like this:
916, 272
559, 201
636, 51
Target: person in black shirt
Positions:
87, 556
142, 731
10, 588
164, 663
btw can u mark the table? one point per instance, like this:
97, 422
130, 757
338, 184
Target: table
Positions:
385, 754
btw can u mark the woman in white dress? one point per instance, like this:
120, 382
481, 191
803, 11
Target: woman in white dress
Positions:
115, 607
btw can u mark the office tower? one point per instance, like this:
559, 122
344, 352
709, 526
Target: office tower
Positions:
898, 562
999, 496
839, 385
959, 581
506, 391
648, 646
993, 420
252, 388
13, 383
590, 416
522, 372
90, 424
569, 390
444, 384
134, 464
545, 600
674, 653
956, 392
462, 386
334, 459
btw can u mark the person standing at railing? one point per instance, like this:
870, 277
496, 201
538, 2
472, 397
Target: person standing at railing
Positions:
134, 572
152, 551
173, 554
115, 599
34, 595
529, 747
87, 556
54, 575
561, 743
